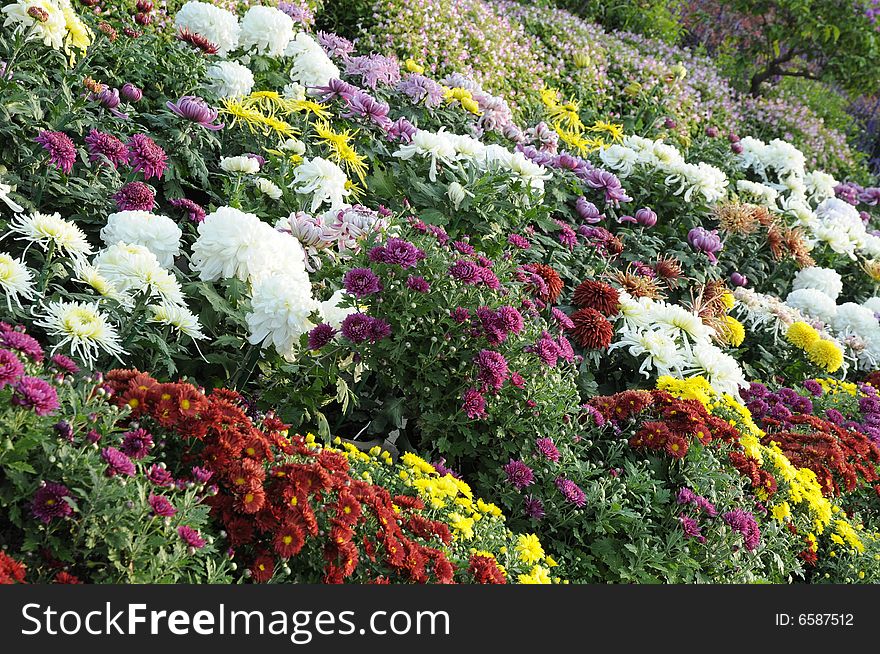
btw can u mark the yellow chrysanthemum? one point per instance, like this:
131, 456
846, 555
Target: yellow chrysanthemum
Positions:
529, 549
341, 150
411, 66
732, 331
538, 575
611, 129
826, 354
802, 335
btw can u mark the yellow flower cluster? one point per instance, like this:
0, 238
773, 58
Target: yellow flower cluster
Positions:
832, 386
822, 352
463, 97
566, 121
340, 147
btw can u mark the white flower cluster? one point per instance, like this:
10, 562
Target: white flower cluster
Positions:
229, 79
310, 64
838, 224
217, 25
674, 341
323, 180
232, 243
266, 31
443, 148
700, 179
159, 234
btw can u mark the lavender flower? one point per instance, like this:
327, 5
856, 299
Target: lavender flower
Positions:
195, 109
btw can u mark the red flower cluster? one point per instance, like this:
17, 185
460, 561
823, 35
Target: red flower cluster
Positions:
597, 295
485, 570
843, 459
668, 424
11, 571
276, 495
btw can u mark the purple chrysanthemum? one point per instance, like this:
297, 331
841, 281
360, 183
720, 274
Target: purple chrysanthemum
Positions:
690, 528
146, 157
196, 110
196, 212
117, 463
374, 69
320, 335
519, 474
359, 327
361, 282
401, 130
745, 523
160, 476
518, 241
397, 251
161, 506
201, 475
548, 449
333, 44
105, 147
37, 394
135, 196
191, 537
64, 364
533, 508
572, 493
609, 183
49, 502
465, 271
11, 368
418, 284
492, 370
62, 151
474, 404
136, 443
460, 315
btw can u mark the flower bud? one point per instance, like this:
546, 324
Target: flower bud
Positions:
131, 93
456, 194
646, 217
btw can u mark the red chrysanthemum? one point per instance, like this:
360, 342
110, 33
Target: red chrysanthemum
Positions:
262, 568
591, 329
553, 281
597, 295
485, 570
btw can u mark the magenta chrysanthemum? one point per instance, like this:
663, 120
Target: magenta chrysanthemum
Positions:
196, 212
62, 151
474, 404
492, 370
191, 537
361, 282
64, 364
117, 463
547, 449
37, 394
161, 506
135, 196
519, 474
11, 368
21, 342
105, 147
146, 157
572, 493
160, 476
49, 502
136, 443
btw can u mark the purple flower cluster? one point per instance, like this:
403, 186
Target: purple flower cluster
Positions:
117, 463
191, 537
359, 327
744, 523
135, 196
397, 252
572, 493
519, 475
106, 147
49, 502
196, 110
687, 497
361, 282
136, 443
492, 370
691, 528
547, 448
495, 325
11, 368
36, 394
62, 151
160, 506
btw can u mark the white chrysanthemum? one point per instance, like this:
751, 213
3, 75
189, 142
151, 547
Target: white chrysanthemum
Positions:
822, 279
855, 319
217, 25
279, 315
92, 277
636, 313
294, 91
758, 192
51, 229
697, 179
158, 233
835, 237
231, 243
51, 33
135, 269
266, 30
15, 280
268, 188
178, 317
436, 146
813, 303
528, 171
620, 158
720, 369
800, 210
468, 148
752, 155
784, 158
663, 155
5, 190
872, 303
310, 64
820, 185
229, 79
676, 320
240, 164
659, 349
323, 179
82, 327
836, 210
871, 246
332, 313
278, 253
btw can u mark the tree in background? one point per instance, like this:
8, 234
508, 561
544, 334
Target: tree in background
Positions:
812, 39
